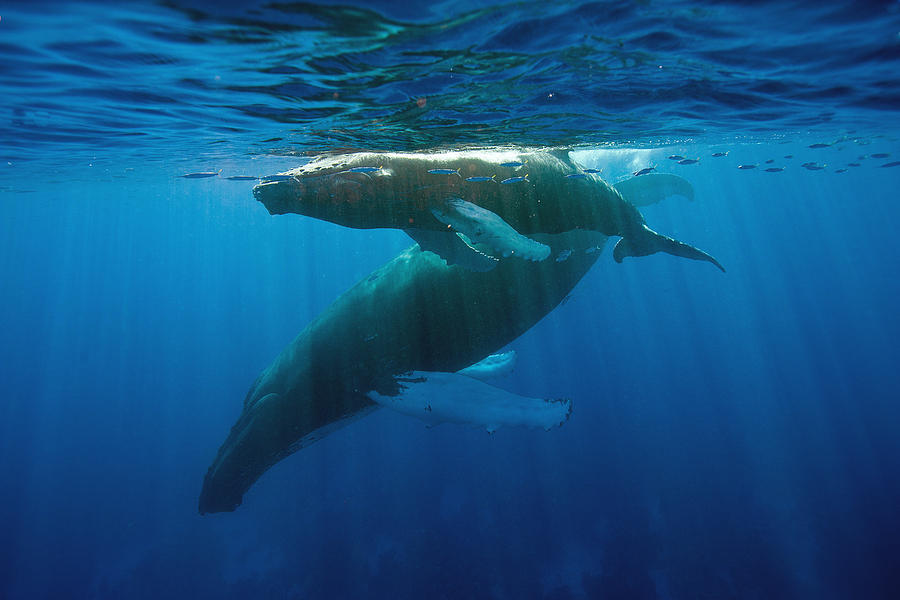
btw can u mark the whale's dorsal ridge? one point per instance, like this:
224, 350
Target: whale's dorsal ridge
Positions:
561, 153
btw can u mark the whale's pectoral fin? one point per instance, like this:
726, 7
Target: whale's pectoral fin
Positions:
454, 398
648, 241
482, 226
453, 249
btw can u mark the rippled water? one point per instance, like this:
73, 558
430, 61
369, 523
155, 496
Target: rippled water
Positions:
231, 78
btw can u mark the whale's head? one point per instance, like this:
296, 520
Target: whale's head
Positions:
344, 196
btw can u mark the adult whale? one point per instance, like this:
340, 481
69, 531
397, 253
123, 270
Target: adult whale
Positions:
495, 199
415, 313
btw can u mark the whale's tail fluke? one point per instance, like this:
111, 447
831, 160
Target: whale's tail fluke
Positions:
648, 241
649, 189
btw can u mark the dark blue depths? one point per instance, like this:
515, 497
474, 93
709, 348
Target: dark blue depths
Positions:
734, 436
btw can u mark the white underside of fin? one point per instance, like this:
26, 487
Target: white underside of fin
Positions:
454, 398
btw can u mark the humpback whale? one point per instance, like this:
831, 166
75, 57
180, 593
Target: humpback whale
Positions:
475, 207
417, 313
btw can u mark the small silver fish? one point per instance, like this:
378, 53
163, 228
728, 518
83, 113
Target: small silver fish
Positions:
719, 154
576, 176
688, 161
840, 170
515, 179
444, 171
242, 177
479, 178
201, 175
675, 157
880, 155
815, 167
363, 169
774, 169
513, 164
644, 171
745, 167
814, 146
808, 164
789, 156
896, 163
853, 164
770, 161
592, 170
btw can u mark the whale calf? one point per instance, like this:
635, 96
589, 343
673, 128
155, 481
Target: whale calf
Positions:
476, 207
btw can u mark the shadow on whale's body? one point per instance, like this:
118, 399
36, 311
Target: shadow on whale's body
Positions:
418, 313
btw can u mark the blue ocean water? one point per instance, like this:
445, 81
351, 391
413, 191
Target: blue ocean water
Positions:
733, 436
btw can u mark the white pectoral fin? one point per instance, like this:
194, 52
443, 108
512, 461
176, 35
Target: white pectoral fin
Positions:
482, 226
454, 398
453, 249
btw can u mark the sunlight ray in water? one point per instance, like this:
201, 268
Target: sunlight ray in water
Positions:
230, 232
